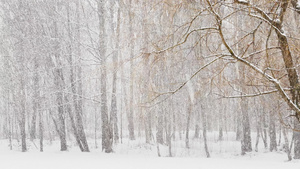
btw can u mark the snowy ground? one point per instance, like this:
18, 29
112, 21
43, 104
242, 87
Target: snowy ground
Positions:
138, 155
58, 160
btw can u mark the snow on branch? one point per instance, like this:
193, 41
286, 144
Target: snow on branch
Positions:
276, 24
296, 5
260, 11
242, 2
253, 95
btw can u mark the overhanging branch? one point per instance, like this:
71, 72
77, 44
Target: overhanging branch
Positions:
268, 77
254, 95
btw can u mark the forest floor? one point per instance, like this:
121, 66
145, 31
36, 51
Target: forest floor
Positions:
138, 155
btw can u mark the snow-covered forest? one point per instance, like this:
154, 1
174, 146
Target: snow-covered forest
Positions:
156, 78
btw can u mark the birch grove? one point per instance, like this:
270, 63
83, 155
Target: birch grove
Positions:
96, 72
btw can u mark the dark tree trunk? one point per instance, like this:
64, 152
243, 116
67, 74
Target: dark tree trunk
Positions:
296, 137
246, 140
238, 126
147, 125
160, 127
36, 100
62, 126
189, 112
204, 125
41, 131
73, 124
22, 127
221, 123
169, 132
197, 126
59, 84
258, 129
286, 144
264, 130
33, 124
22, 97
272, 132
174, 125
61, 117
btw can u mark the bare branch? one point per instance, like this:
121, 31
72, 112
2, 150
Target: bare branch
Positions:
170, 93
253, 95
185, 39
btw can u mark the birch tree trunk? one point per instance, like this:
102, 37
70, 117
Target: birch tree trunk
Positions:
105, 125
59, 83
130, 112
115, 35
